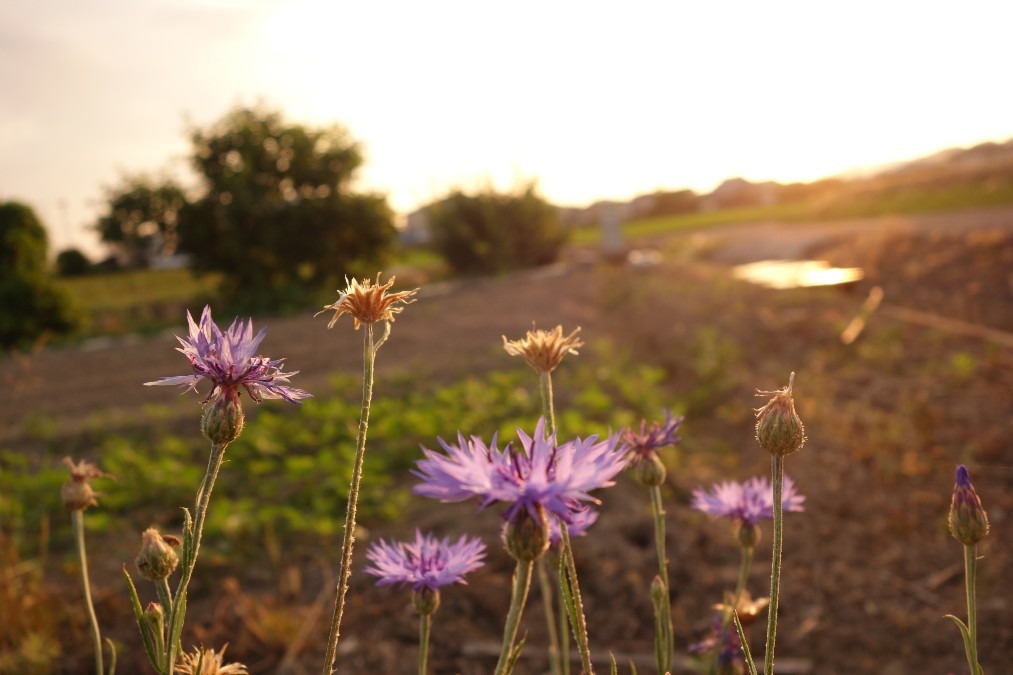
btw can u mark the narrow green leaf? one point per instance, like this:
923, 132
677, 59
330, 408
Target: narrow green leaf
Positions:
514, 655
614, 670
112, 657
146, 637
964, 633
745, 643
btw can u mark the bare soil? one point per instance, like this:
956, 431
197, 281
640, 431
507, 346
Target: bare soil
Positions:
870, 569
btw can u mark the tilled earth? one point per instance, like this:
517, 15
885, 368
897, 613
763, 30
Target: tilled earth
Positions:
870, 569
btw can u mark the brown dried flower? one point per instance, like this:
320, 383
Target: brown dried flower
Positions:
542, 349
77, 493
749, 610
368, 302
211, 664
778, 427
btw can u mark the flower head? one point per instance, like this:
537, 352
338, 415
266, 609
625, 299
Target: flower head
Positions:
158, 558
544, 350
210, 663
426, 563
748, 502
77, 493
644, 445
368, 302
538, 478
228, 360
723, 642
968, 520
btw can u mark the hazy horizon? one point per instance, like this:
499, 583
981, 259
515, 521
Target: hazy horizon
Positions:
593, 102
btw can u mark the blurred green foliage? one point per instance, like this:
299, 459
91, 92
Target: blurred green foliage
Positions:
288, 474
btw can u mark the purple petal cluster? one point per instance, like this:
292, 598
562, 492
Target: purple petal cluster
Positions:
539, 473
426, 563
641, 446
228, 360
748, 502
580, 521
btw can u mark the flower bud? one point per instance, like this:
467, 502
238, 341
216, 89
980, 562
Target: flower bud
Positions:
77, 495
223, 419
526, 536
968, 520
778, 427
747, 534
154, 617
158, 558
651, 471
659, 594
426, 601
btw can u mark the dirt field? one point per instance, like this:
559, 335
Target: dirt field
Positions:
870, 568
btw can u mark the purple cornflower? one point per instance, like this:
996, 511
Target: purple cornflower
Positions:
580, 521
748, 502
428, 563
540, 475
642, 446
723, 642
227, 359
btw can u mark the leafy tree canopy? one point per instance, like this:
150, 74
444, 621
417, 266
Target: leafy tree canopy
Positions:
490, 232
141, 218
279, 217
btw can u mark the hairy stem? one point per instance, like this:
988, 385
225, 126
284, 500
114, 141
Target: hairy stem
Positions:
77, 519
577, 621
545, 389
348, 538
970, 575
518, 598
664, 629
425, 623
191, 549
548, 595
777, 478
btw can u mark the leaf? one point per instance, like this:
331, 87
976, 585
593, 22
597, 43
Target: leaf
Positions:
745, 643
966, 634
112, 657
142, 625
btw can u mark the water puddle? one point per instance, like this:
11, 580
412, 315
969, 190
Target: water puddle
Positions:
782, 274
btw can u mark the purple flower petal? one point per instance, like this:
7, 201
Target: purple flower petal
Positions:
425, 563
748, 502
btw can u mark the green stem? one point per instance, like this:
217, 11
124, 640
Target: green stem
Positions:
744, 565
665, 616
578, 622
777, 478
348, 538
970, 574
77, 519
547, 592
518, 598
191, 549
425, 623
564, 637
545, 388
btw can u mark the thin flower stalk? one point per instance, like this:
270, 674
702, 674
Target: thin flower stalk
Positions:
425, 625
559, 656
348, 536
518, 599
77, 519
663, 629
777, 478
577, 621
970, 579
968, 524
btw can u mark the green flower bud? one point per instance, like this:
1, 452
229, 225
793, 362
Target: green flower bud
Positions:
968, 520
659, 594
747, 534
426, 601
154, 617
527, 537
158, 558
778, 427
223, 419
651, 471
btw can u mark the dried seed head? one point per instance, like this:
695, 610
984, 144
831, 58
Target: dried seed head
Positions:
968, 520
749, 610
778, 427
544, 350
368, 302
77, 493
223, 418
210, 663
158, 558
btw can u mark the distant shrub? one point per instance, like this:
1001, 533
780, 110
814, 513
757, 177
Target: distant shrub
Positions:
72, 262
492, 232
30, 304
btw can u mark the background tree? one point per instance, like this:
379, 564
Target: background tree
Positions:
71, 262
141, 218
490, 232
279, 219
31, 306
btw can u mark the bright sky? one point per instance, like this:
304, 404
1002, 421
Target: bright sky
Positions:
595, 99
